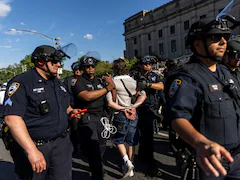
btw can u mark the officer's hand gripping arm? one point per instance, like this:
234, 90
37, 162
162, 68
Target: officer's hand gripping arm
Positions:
92, 95
20, 133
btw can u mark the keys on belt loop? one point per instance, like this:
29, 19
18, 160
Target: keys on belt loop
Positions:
39, 142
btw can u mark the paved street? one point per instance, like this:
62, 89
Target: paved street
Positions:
112, 163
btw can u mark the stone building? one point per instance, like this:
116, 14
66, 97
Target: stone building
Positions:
163, 31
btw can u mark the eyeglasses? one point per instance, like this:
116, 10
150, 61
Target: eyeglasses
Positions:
76, 68
146, 64
55, 61
88, 66
218, 37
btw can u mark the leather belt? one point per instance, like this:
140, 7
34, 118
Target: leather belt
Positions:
40, 142
234, 151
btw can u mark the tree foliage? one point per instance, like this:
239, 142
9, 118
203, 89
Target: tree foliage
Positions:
102, 68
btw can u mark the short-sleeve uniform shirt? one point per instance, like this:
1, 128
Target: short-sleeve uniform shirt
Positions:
24, 96
185, 97
153, 78
84, 83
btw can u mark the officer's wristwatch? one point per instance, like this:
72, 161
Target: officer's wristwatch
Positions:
149, 84
106, 89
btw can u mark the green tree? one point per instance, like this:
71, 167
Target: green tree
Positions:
103, 68
66, 73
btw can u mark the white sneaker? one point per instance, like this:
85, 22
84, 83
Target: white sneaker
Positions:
131, 173
127, 168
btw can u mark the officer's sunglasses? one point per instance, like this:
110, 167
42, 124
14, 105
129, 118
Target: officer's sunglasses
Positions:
146, 64
55, 61
88, 66
218, 37
76, 68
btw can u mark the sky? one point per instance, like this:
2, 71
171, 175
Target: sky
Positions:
92, 25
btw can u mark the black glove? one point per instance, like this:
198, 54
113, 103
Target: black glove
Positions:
143, 84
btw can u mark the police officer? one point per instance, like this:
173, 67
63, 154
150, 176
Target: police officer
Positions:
232, 57
201, 103
90, 93
150, 83
70, 82
36, 111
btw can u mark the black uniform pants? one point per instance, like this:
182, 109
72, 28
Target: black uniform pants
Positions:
74, 137
58, 155
93, 145
145, 151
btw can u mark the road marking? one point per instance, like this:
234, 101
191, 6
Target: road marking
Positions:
170, 174
163, 134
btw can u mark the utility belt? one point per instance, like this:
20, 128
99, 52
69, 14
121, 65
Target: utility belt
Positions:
88, 117
234, 151
11, 144
42, 142
187, 164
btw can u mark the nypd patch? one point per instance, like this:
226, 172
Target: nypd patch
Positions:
73, 82
154, 78
13, 88
99, 86
174, 87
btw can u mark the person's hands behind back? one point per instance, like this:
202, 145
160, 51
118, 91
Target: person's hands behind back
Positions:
130, 113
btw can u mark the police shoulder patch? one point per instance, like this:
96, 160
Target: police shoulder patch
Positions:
13, 88
73, 82
174, 87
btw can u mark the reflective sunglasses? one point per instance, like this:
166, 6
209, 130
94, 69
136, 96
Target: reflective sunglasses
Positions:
217, 37
54, 61
76, 68
88, 66
146, 64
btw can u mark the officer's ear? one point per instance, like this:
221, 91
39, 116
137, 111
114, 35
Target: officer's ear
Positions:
40, 62
198, 45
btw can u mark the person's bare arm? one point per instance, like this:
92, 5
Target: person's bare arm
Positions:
208, 152
114, 95
92, 95
140, 100
115, 105
157, 86
19, 132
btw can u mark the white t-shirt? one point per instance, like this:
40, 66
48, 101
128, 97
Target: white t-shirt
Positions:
2, 93
123, 98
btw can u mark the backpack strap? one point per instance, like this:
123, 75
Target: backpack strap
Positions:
129, 94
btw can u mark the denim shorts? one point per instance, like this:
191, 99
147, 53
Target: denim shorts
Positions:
126, 130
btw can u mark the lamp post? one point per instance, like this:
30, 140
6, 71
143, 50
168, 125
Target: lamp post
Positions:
54, 40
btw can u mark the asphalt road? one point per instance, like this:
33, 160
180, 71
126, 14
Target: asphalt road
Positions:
112, 162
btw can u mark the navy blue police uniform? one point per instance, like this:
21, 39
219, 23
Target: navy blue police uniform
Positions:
48, 128
232, 54
146, 117
235, 74
92, 143
69, 83
204, 98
